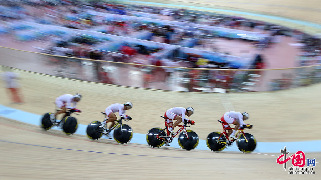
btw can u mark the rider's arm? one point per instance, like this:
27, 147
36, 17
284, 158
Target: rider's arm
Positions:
74, 105
121, 112
183, 116
69, 103
241, 120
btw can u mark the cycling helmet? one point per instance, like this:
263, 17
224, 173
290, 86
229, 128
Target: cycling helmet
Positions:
129, 104
245, 114
77, 96
190, 109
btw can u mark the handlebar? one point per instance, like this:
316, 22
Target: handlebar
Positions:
249, 126
185, 123
121, 118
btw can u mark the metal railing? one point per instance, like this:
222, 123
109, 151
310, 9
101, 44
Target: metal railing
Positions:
161, 77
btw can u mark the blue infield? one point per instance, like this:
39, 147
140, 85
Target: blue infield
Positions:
262, 147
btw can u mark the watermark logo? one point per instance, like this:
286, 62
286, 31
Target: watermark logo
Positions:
298, 162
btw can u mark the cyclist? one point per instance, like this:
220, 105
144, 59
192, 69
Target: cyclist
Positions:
111, 116
235, 118
64, 103
178, 114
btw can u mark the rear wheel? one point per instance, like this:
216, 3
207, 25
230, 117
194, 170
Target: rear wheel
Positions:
46, 123
188, 143
151, 137
70, 125
123, 134
246, 143
216, 143
94, 131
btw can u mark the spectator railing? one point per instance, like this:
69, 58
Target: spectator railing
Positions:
161, 77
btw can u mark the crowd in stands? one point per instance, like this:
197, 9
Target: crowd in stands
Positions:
160, 25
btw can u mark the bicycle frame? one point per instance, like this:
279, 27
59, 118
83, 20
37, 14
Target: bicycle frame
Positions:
181, 129
117, 123
225, 129
66, 114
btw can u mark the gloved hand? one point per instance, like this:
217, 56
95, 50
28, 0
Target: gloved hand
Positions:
128, 117
249, 126
185, 121
189, 121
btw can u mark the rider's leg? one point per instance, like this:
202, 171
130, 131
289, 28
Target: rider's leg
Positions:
111, 118
169, 122
227, 128
237, 126
169, 132
178, 120
229, 132
169, 126
61, 111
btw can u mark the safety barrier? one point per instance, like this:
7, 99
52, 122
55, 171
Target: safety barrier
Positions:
162, 77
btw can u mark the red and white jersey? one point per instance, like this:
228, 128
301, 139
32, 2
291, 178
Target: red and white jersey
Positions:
10, 79
232, 116
116, 108
66, 100
179, 111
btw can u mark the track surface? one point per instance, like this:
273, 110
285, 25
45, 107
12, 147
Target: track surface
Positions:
277, 116
27, 152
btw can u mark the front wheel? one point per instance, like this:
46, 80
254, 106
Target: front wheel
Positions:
246, 143
93, 130
188, 142
123, 134
152, 137
216, 141
70, 125
46, 123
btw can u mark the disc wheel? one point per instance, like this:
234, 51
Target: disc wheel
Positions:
246, 143
123, 134
46, 123
216, 143
70, 125
188, 143
93, 131
151, 137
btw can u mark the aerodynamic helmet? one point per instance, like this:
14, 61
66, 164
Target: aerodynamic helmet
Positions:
77, 96
190, 109
245, 114
129, 104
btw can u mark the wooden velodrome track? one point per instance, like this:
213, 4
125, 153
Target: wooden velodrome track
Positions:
26, 152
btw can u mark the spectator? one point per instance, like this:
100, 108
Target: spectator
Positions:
105, 77
10, 78
126, 49
258, 62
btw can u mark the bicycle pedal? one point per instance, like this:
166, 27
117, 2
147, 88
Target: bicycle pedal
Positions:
229, 143
169, 139
57, 123
108, 136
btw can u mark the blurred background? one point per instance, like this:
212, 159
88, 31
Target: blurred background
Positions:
156, 47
